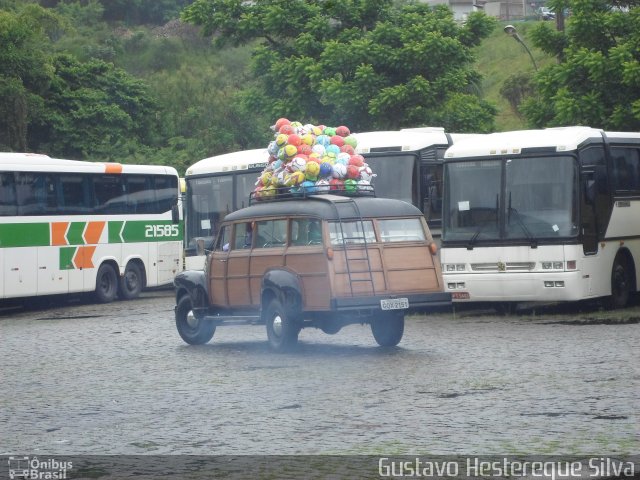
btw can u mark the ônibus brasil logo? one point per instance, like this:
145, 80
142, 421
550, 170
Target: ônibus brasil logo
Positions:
34, 468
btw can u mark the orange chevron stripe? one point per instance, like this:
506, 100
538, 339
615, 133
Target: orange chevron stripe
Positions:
114, 168
93, 231
58, 231
84, 257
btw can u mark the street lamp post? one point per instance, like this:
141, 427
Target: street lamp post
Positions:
511, 31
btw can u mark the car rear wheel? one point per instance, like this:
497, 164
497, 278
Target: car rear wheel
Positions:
388, 328
193, 330
283, 327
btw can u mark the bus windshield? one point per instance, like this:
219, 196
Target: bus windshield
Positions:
395, 176
209, 199
536, 200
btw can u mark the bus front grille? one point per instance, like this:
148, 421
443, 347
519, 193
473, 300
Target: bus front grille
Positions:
503, 267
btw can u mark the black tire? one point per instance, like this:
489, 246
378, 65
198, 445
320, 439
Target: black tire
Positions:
131, 282
283, 326
388, 328
621, 284
192, 330
106, 284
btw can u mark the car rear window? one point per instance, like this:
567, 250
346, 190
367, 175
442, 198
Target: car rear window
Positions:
401, 230
351, 232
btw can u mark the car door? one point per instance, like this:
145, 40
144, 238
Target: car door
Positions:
217, 276
268, 251
238, 292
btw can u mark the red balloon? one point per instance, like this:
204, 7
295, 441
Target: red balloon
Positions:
304, 149
348, 149
353, 172
337, 140
356, 160
336, 184
287, 129
294, 139
280, 122
343, 131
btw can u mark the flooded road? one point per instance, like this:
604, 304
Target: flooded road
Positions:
117, 379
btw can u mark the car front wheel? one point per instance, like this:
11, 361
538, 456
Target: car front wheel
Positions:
193, 330
388, 328
283, 326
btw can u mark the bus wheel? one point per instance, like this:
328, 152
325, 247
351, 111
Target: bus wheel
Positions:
620, 284
388, 328
193, 330
131, 282
282, 327
106, 284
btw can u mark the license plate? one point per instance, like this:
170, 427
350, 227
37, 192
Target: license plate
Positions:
394, 303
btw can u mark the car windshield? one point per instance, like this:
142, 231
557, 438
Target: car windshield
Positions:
536, 200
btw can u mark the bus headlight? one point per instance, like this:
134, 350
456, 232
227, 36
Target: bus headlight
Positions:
453, 267
548, 265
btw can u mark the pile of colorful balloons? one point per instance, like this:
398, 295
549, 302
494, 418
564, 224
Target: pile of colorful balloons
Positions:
313, 159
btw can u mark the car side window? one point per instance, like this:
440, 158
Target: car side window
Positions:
306, 231
271, 233
222, 242
243, 236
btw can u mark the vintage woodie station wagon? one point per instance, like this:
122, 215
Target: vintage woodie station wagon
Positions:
323, 261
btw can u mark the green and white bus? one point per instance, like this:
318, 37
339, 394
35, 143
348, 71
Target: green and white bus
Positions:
71, 226
542, 216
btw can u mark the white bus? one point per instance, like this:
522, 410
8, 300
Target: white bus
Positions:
216, 186
71, 226
542, 216
408, 164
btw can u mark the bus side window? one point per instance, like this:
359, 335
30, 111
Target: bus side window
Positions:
165, 188
8, 202
109, 196
30, 193
626, 168
140, 195
74, 195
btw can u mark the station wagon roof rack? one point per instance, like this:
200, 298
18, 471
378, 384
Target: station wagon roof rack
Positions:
300, 193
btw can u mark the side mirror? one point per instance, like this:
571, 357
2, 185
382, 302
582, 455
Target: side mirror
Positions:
199, 246
175, 214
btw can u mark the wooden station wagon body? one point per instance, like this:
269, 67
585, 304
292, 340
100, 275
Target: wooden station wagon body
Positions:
324, 261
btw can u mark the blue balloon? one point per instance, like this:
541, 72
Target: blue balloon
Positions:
308, 186
325, 169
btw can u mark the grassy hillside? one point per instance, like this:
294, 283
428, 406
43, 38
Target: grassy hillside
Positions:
499, 57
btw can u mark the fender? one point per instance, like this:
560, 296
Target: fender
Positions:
279, 281
191, 281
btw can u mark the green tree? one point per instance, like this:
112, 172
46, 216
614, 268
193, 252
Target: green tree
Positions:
93, 110
596, 81
369, 64
25, 70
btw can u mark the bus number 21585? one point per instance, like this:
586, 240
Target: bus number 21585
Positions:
152, 231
